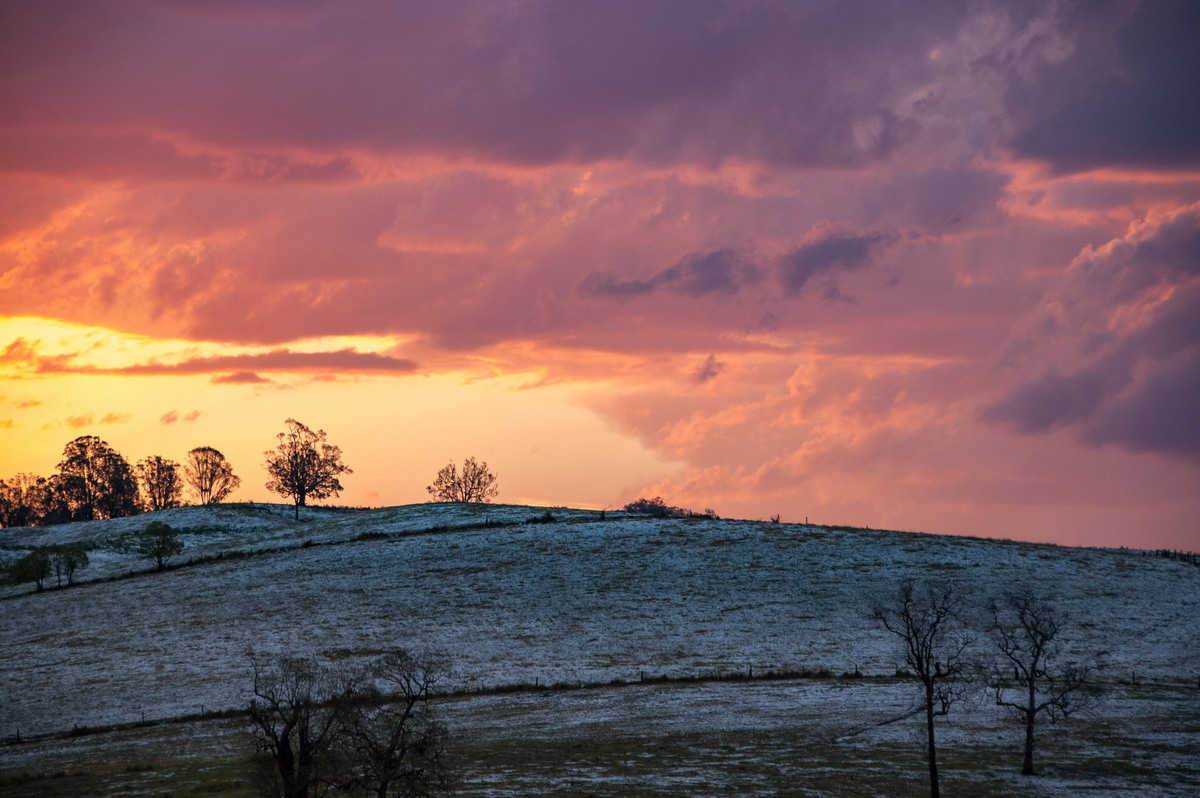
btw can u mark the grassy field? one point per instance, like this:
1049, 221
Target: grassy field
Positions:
800, 738
512, 597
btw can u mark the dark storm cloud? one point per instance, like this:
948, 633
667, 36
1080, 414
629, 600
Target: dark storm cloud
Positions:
530, 82
1128, 94
724, 271
1132, 311
821, 258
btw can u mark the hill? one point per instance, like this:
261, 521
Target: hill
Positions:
521, 595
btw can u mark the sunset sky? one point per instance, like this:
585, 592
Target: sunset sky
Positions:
912, 265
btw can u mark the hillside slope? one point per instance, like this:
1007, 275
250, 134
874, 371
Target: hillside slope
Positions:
579, 598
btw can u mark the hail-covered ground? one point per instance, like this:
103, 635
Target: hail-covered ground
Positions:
519, 595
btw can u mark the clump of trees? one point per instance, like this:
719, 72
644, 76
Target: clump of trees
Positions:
61, 561
474, 483
370, 731
95, 482
304, 466
1028, 677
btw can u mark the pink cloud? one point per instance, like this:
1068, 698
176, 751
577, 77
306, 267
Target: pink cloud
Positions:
173, 417
239, 378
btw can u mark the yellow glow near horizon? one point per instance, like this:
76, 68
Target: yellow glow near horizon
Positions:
395, 431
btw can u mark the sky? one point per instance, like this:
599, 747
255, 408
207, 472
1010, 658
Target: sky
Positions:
931, 266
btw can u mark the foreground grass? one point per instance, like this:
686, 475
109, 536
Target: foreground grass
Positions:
680, 740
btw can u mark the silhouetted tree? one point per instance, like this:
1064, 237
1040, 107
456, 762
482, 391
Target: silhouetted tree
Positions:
97, 481
161, 485
30, 500
159, 542
295, 712
361, 732
474, 484
1029, 682
933, 644
209, 475
394, 744
66, 559
304, 466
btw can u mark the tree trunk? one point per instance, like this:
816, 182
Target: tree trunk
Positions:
1030, 717
931, 751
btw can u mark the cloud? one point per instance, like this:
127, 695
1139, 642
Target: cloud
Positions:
723, 271
173, 417
525, 83
709, 370
239, 378
276, 360
89, 420
1121, 333
824, 253
1125, 95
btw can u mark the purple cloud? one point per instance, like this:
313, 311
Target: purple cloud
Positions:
821, 258
1128, 94
1127, 319
723, 271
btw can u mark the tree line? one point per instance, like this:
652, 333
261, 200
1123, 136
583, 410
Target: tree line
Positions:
95, 482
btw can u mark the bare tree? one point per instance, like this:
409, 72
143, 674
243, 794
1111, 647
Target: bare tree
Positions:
934, 645
474, 484
159, 542
295, 712
395, 742
160, 483
1026, 631
209, 475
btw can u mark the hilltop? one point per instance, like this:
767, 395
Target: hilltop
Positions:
517, 595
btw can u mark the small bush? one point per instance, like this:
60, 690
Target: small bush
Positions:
656, 508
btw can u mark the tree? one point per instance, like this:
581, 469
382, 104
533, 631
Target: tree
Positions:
66, 559
933, 644
295, 715
1026, 630
475, 484
322, 729
395, 744
209, 475
304, 466
96, 480
33, 567
161, 486
159, 542
20, 500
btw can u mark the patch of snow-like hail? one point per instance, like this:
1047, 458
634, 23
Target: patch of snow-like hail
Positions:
584, 597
